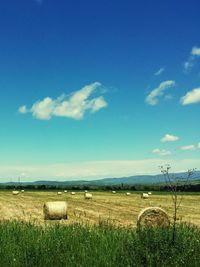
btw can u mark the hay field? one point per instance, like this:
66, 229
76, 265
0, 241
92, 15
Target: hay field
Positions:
118, 208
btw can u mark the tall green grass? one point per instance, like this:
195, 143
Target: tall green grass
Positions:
25, 244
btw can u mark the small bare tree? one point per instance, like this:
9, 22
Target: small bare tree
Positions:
175, 182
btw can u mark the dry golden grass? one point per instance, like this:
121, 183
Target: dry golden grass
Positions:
118, 208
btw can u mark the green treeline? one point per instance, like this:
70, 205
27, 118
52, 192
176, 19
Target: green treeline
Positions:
193, 187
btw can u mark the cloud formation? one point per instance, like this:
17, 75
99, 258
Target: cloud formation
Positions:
190, 147
23, 109
169, 138
192, 97
188, 65
159, 72
161, 152
195, 53
153, 98
74, 106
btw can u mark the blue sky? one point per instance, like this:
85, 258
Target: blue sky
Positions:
93, 89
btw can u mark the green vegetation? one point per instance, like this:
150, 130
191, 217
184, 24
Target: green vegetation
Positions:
25, 244
194, 186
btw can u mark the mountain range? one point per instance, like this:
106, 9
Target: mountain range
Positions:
131, 180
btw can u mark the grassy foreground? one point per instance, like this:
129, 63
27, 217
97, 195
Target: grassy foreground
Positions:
24, 244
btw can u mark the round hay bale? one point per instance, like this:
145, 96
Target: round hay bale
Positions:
144, 195
55, 210
22, 191
86, 191
114, 192
73, 193
15, 192
153, 217
88, 196
65, 191
149, 193
59, 193
128, 194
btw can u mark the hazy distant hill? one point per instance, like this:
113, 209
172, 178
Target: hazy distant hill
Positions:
132, 180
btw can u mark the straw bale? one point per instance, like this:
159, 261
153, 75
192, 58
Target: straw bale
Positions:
55, 210
15, 192
153, 217
88, 196
144, 195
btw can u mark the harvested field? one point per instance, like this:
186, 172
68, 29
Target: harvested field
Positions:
116, 208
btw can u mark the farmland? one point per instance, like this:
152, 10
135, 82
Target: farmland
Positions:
118, 209
99, 231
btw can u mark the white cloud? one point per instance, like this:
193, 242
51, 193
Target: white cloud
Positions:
93, 169
188, 65
195, 52
152, 98
159, 72
189, 147
74, 106
191, 97
169, 138
23, 109
43, 109
161, 152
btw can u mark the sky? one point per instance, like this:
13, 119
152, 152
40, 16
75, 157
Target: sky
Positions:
95, 89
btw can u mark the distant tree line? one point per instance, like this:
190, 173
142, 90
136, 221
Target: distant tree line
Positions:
193, 187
